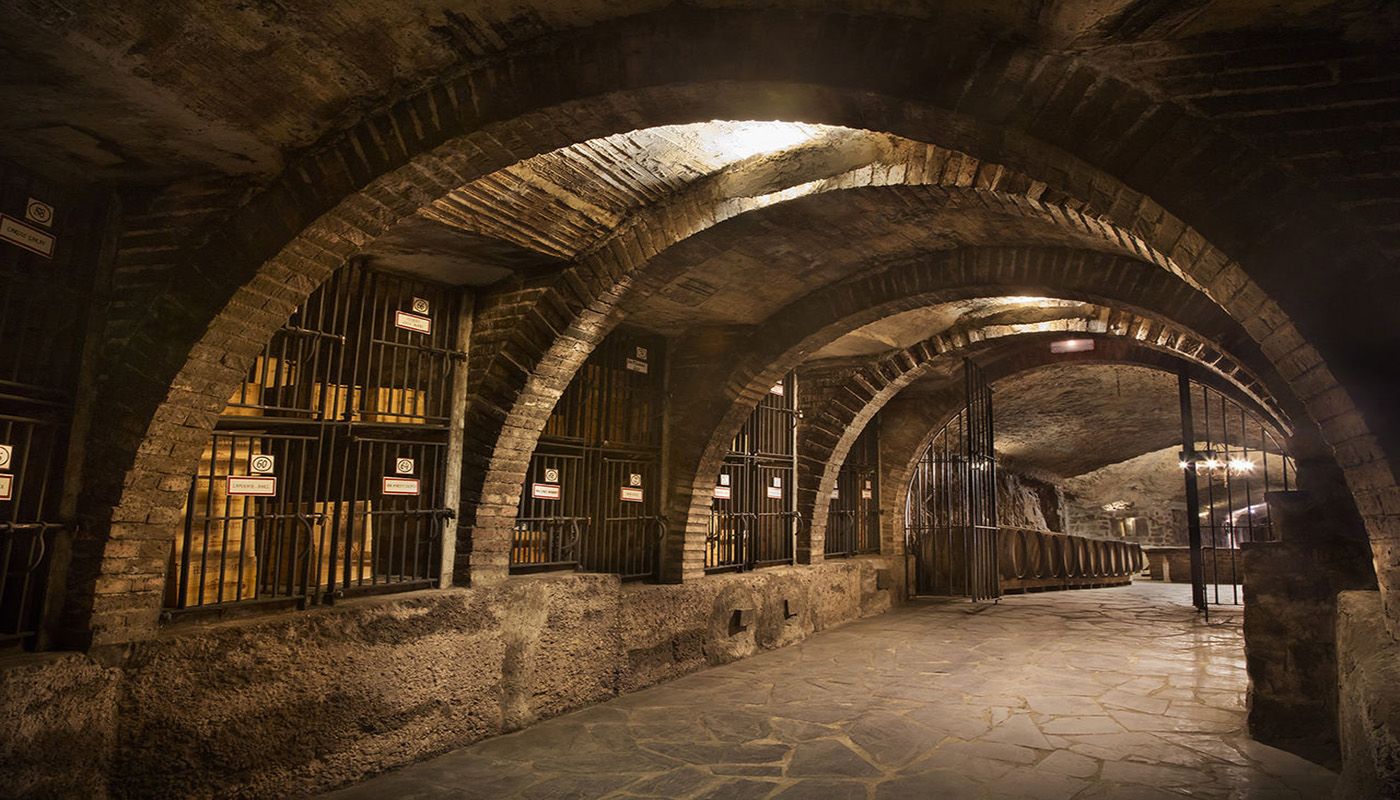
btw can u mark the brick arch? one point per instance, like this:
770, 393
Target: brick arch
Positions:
828, 433
1158, 307
677, 65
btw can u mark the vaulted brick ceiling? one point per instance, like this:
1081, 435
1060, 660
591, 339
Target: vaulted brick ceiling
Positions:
227, 94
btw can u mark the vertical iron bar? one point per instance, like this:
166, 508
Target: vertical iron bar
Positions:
1193, 503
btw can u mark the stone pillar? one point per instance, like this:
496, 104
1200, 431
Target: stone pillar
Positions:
1368, 725
1290, 591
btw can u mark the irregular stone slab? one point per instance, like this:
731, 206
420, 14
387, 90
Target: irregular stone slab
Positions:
824, 790
829, 758
939, 784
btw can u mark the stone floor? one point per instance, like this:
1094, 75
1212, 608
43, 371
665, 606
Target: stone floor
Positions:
1105, 693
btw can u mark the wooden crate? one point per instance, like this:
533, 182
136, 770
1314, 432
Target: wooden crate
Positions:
216, 512
267, 373
395, 404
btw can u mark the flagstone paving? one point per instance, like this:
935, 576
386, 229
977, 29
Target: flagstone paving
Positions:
1103, 693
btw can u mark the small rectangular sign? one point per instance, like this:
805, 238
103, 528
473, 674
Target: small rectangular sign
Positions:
544, 491
26, 236
413, 322
252, 485
7, 487
7, 454
778, 389
722, 493
400, 486
835, 494
866, 494
631, 495
637, 366
775, 493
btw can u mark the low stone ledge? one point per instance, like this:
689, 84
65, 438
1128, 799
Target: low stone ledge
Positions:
297, 703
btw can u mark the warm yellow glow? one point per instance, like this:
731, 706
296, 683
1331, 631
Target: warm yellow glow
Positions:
1241, 465
736, 141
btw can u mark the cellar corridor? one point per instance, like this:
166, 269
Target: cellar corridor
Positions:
382, 378
1120, 693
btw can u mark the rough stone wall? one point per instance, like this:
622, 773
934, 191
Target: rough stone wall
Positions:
295, 704
1026, 502
59, 726
1290, 608
1368, 665
1150, 482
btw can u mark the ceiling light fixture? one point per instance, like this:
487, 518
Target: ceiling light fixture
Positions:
1072, 346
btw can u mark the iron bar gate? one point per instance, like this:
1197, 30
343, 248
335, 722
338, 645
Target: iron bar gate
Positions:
1230, 460
753, 518
853, 523
592, 496
326, 475
950, 508
38, 369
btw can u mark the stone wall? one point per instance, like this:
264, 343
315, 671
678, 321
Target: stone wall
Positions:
1027, 502
1290, 611
1368, 662
297, 703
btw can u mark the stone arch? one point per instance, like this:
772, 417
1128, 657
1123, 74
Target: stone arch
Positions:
791, 336
314, 217
831, 431
1000, 363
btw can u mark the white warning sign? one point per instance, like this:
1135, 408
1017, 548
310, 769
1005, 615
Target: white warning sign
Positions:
632, 495
262, 463
723, 493
252, 485
400, 487
26, 236
39, 212
413, 322
544, 491
7, 487
775, 493
7, 455
403, 466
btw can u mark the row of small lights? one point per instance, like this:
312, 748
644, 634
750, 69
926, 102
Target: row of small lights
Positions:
1237, 466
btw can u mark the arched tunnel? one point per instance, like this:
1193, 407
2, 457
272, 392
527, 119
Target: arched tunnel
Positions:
386, 379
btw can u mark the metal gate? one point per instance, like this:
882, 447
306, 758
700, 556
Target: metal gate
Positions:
1230, 460
592, 498
853, 523
38, 368
326, 475
753, 518
950, 509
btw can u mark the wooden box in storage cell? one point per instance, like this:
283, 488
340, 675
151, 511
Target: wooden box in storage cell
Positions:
266, 375
394, 404
222, 558
336, 401
344, 529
